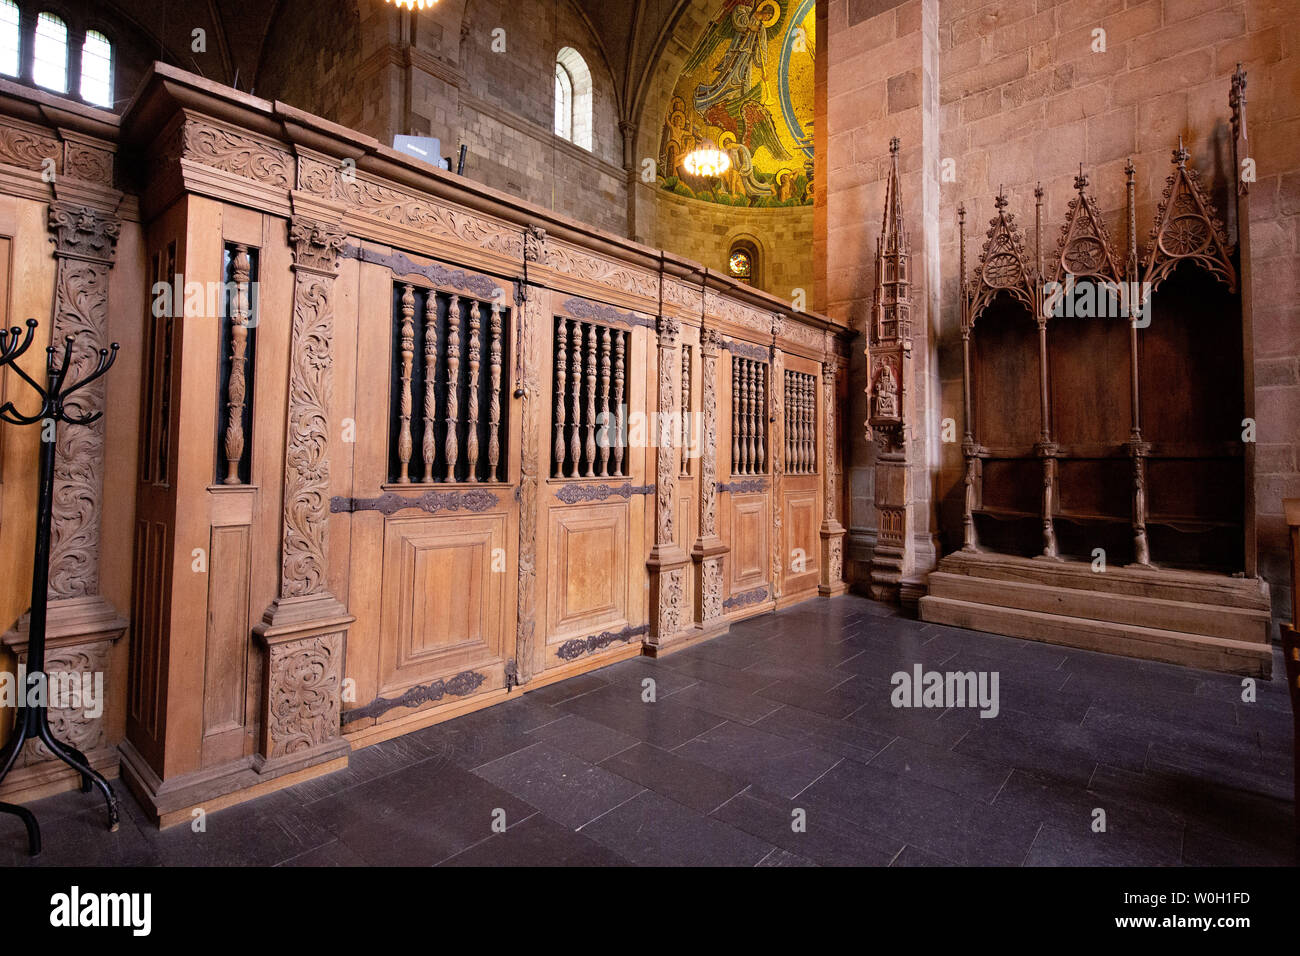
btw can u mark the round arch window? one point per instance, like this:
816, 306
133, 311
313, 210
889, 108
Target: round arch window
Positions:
742, 261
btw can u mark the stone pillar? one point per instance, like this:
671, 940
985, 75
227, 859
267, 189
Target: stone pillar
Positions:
667, 561
708, 549
832, 532
82, 624
303, 633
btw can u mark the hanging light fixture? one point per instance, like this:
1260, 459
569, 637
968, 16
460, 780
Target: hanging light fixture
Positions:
706, 160
414, 4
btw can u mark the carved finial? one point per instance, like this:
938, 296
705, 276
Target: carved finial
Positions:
1181, 155
961, 212
893, 145
1000, 201
1081, 180
1129, 168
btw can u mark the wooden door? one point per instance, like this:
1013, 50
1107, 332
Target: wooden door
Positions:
433, 511
595, 502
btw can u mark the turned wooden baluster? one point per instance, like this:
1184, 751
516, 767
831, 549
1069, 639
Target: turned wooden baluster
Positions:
575, 409
404, 408
751, 408
240, 268
429, 445
620, 339
760, 419
736, 402
561, 374
789, 421
494, 397
471, 431
589, 430
604, 401
686, 406
808, 398
453, 384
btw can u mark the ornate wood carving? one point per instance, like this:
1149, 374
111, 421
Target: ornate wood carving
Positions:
316, 249
779, 466
620, 346
236, 153
1003, 265
85, 243
1187, 227
532, 325
28, 148
437, 274
603, 470
589, 429
1083, 249
305, 677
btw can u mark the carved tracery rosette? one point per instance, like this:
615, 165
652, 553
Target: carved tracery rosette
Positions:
1187, 227
1003, 265
1084, 249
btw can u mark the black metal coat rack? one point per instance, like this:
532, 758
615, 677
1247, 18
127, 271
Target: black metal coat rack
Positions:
32, 722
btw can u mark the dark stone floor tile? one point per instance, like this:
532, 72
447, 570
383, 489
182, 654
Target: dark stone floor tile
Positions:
824, 838
563, 690
790, 670
665, 723
838, 701
419, 816
488, 734
974, 778
912, 856
565, 788
960, 639
583, 738
74, 832
1249, 772
692, 784
726, 702
638, 670
334, 853
1206, 848
769, 761
652, 830
537, 841
719, 674
966, 831
1078, 845
261, 832
940, 727
824, 733
1053, 747
784, 858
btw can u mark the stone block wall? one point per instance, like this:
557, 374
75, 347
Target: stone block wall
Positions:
705, 231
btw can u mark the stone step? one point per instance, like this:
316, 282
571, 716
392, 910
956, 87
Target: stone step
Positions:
1149, 643
1212, 620
1168, 584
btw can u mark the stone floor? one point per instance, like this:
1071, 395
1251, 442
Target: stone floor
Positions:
787, 712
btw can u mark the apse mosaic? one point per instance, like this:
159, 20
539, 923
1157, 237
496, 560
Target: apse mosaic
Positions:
747, 88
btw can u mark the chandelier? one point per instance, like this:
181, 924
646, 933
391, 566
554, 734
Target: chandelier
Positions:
706, 160
414, 4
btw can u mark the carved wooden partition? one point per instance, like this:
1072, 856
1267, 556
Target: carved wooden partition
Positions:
432, 447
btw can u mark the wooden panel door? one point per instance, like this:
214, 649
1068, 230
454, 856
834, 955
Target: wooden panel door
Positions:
596, 500
432, 519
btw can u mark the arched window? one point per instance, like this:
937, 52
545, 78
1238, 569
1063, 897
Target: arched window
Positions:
742, 261
97, 69
50, 53
10, 38
573, 98
563, 103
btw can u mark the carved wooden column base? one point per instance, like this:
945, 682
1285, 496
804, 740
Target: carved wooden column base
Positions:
670, 619
302, 641
832, 566
893, 556
707, 555
80, 634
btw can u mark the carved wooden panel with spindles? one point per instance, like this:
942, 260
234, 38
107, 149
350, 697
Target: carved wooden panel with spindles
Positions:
461, 340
